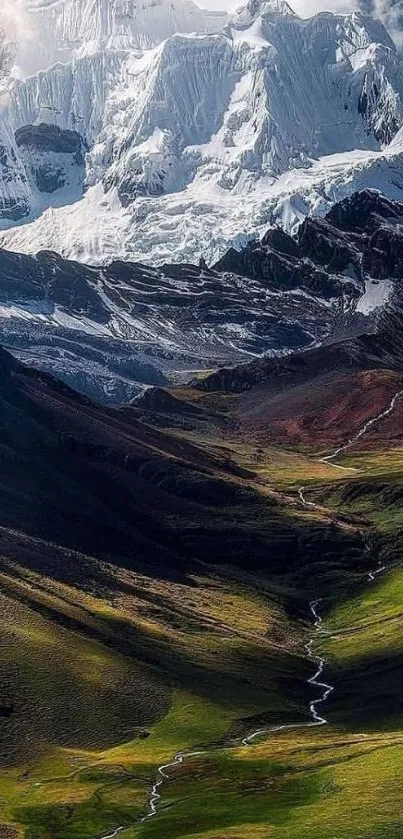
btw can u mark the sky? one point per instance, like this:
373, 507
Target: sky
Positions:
302, 7
13, 8
383, 8
389, 11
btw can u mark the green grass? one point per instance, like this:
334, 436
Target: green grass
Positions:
220, 655
111, 787
373, 463
342, 781
281, 468
338, 782
290, 787
211, 663
365, 654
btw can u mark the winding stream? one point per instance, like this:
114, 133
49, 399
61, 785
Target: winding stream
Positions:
363, 430
328, 459
163, 773
317, 718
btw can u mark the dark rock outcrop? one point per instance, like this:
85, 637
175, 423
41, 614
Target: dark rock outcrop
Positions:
51, 138
105, 330
52, 157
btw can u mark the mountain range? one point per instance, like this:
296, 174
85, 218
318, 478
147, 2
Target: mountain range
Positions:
121, 139
111, 331
157, 564
201, 422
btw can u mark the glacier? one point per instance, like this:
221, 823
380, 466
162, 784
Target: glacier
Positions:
197, 131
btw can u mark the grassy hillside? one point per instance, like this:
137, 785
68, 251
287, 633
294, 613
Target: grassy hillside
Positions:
97, 691
340, 780
154, 585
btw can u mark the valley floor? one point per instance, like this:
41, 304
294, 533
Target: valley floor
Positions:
108, 670
339, 780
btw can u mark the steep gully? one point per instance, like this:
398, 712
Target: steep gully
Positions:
163, 773
342, 449
363, 430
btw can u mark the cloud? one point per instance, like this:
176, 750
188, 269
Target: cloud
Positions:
390, 12
19, 25
306, 8
16, 30
20, 33
14, 19
391, 15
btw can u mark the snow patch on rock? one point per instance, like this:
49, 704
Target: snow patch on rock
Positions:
377, 294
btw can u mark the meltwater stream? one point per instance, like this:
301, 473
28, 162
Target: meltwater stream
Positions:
163, 773
317, 718
363, 430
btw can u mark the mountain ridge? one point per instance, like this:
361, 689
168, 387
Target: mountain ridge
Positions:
109, 332
202, 141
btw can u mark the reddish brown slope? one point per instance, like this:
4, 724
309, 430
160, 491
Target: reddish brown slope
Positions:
325, 412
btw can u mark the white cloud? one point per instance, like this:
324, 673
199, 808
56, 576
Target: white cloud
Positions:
390, 12
384, 9
16, 27
13, 18
306, 8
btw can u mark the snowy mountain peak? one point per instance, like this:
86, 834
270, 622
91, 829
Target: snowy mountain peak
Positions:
64, 30
263, 8
142, 143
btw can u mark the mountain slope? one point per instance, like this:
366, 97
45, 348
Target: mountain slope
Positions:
110, 331
64, 30
154, 596
307, 399
190, 144
128, 488
133, 621
152, 593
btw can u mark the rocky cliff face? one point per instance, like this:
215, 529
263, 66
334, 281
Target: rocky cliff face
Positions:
52, 160
361, 239
111, 331
190, 139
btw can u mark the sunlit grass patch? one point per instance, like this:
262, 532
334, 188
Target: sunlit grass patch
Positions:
292, 786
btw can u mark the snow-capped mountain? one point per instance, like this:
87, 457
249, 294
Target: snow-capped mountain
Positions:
109, 330
192, 142
64, 30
